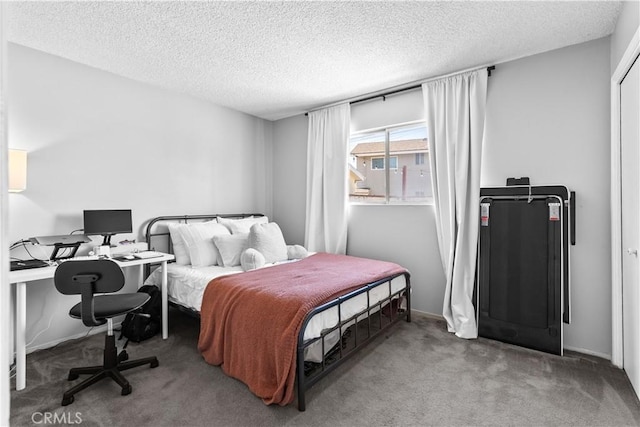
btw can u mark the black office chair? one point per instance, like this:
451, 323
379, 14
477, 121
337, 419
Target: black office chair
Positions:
88, 278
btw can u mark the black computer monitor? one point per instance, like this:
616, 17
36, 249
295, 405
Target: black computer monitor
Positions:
107, 223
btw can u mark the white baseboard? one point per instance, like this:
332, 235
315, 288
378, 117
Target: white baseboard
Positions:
426, 314
588, 352
418, 313
95, 330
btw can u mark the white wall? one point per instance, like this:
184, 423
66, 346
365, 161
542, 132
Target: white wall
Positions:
398, 108
627, 25
99, 141
402, 234
405, 235
547, 118
289, 177
5, 333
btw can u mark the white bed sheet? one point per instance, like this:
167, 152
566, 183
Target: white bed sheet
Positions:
186, 286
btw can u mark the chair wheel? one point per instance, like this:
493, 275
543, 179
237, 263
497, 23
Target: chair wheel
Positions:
155, 364
72, 377
126, 390
67, 400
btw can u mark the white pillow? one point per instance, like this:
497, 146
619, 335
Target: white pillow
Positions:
242, 225
197, 238
296, 252
231, 247
179, 247
268, 240
251, 259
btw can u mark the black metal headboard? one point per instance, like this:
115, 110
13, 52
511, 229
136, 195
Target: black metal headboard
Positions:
157, 233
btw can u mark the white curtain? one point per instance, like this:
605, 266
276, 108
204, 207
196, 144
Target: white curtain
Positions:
327, 185
455, 111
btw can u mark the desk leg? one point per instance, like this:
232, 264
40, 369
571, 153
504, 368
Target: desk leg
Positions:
165, 302
21, 325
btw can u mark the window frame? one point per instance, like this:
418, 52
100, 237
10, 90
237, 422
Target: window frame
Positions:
384, 163
388, 129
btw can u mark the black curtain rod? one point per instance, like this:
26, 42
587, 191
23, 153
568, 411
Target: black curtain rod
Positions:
384, 95
393, 92
404, 89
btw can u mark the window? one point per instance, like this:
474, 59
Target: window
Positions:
393, 163
407, 178
377, 163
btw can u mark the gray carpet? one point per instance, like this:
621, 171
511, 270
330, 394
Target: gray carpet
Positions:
418, 374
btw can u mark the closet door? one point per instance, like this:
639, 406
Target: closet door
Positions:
630, 192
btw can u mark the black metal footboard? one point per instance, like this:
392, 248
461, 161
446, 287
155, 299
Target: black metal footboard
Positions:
354, 331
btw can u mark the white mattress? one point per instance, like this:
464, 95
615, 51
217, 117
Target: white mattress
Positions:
186, 286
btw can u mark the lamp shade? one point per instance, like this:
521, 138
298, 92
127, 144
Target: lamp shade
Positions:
17, 170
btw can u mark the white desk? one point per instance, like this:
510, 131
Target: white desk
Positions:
22, 277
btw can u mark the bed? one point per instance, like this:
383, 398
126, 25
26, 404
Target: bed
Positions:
341, 310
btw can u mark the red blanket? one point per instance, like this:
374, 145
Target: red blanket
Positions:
250, 321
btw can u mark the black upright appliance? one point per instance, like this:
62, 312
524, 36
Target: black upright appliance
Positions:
523, 289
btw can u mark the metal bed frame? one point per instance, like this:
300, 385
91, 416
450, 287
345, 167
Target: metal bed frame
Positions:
362, 327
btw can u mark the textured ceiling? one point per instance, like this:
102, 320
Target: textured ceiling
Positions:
277, 59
